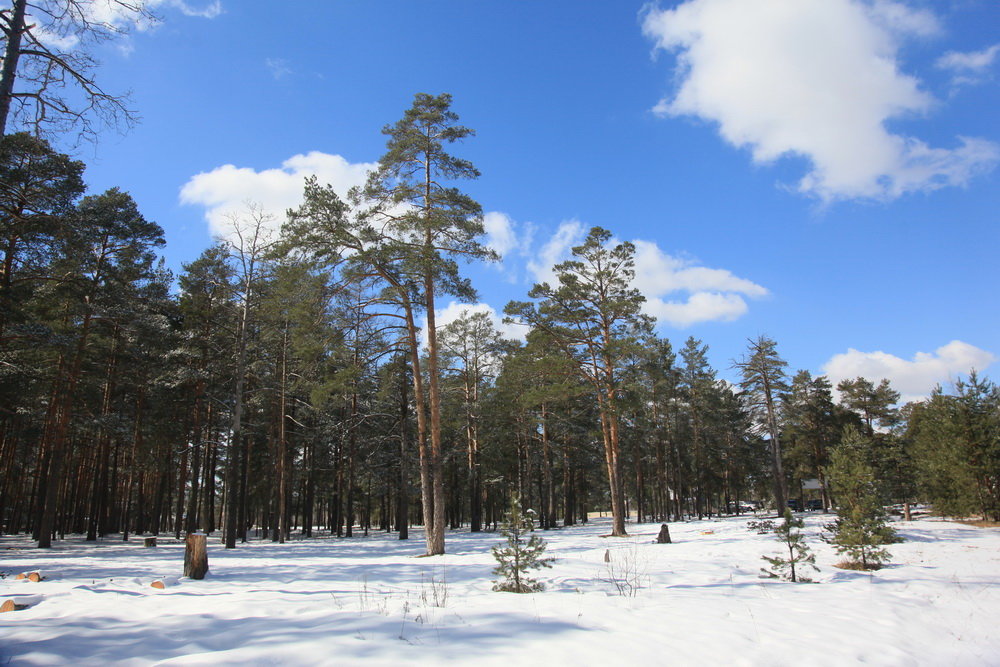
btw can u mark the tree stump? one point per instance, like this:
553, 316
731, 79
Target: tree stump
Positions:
158, 584
195, 556
149, 542
664, 536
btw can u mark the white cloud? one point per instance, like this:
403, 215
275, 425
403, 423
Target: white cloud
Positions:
455, 310
699, 307
914, 378
678, 291
969, 68
898, 18
817, 79
707, 294
114, 18
974, 61
501, 235
555, 250
208, 9
226, 190
659, 273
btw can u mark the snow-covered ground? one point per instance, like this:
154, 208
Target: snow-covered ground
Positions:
371, 601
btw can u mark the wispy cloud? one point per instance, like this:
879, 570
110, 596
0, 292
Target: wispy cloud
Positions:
679, 291
973, 61
207, 10
969, 68
278, 67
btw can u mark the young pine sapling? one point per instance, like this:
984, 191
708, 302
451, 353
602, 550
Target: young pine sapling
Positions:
789, 534
862, 528
520, 554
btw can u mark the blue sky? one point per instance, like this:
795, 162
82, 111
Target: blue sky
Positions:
820, 171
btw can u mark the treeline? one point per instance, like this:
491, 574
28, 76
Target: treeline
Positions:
283, 381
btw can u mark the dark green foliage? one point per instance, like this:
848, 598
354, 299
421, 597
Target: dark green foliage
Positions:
519, 556
812, 425
761, 527
594, 318
955, 444
861, 529
874, 403
763, 372
790, 535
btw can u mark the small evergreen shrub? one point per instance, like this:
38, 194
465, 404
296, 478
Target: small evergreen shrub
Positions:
789, 533
762, 527
520, 554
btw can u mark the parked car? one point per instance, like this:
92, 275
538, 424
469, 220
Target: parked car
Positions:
814, 505
794, 505
741, 507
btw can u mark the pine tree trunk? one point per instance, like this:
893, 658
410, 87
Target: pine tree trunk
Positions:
472, 435
403, 494
436, 539
99, 496
549, 505
609, 431
779, 483
56, 436
196, 466
426, 484
283, 474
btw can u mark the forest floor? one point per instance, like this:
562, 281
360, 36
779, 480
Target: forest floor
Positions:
371, 601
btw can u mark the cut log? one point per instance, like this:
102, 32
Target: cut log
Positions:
21, 575
664, 536
10, 605
158, 584
195, 556
149, 542
35, 576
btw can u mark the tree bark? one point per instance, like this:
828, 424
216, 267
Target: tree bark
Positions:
12, 52
196, 556
403, 494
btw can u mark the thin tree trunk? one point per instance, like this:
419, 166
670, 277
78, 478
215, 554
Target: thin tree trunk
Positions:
780, 486
14, 32
236, 430
136, 447
403, 495
57, 435
283, 529
426, 485
436, 539
197, 429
